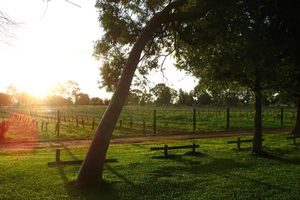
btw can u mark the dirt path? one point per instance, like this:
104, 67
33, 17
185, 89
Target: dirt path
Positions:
23, 146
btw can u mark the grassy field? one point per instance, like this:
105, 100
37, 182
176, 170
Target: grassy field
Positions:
218, 172
76, 122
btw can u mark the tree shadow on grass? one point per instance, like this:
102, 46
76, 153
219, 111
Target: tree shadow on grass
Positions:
195, 167
104, 190
279, 154
178, 157
242, 149
295, 161
219, 167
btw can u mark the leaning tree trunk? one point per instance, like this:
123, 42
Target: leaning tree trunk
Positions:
257, 140
91, 170
296, 130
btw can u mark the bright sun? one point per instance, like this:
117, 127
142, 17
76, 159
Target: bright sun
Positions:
37, 88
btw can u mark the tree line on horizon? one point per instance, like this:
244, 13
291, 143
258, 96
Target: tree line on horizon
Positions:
159, 95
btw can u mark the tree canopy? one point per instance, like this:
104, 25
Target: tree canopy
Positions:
233, 41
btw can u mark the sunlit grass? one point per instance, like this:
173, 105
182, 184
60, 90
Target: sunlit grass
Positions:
219, 172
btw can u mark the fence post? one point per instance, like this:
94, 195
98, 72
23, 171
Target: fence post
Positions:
154, 122
57, 124
194, 119
281, 115
239, 143
57, 155
82, 123
227, 118
144, 126
46, 126
93, 123
166, 150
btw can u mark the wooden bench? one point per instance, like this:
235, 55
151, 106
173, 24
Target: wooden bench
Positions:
239, 141
166, 148
59, 162
294, 137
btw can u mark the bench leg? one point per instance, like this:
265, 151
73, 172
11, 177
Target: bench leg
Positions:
57, 155
166, 150
194, 148
238, 143
294, 139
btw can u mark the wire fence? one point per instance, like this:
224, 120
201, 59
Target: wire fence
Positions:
79, 122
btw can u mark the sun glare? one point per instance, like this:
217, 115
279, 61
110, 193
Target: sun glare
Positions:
36, 88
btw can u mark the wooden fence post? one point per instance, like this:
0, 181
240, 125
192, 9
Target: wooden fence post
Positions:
194, 119
46, 126
82, 123
239, 143
144, 126
227, 118
57, 124
281, 116
154, 122
166, 150
57, 155
93, 123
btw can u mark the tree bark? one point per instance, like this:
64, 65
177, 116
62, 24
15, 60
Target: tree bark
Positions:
91, 170
296, 130
257, 139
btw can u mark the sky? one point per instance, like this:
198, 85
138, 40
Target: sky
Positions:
53, 42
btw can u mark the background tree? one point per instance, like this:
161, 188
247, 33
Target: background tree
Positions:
25, 99
185, 98
163, 94
72, 89
96, 101
57, 100
69, 89
11, 90
202, 98
59, 90
82, 99
5, 99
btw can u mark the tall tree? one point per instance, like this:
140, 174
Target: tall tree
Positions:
12, 91
82, 99
163, 94
130, 24
96, 101
235, 43
72, 89
185, 98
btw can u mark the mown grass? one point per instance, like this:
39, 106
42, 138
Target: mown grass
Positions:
220, 171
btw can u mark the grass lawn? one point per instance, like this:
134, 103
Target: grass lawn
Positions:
219, 172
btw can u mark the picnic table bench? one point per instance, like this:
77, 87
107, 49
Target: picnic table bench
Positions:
239, 141
166, 148
59, 162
